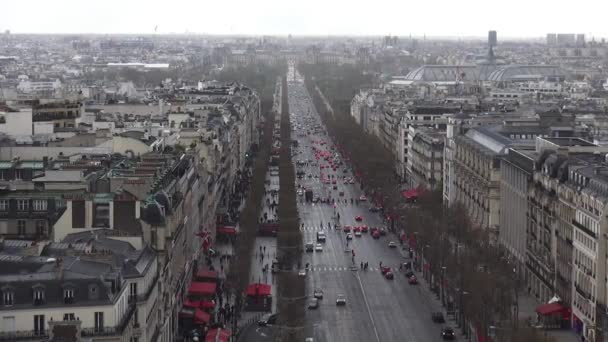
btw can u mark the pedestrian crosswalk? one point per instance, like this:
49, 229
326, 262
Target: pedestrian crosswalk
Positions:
340, 269
313, 229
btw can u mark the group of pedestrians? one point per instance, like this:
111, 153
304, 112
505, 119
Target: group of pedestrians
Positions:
364, 265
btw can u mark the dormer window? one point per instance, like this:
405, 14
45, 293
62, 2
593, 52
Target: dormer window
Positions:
68, 295
8, 297
39, 295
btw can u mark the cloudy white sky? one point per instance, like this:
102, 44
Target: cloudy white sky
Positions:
512, 18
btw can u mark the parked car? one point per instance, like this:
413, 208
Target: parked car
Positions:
268, 319
389, 275
359, 218
413, 280
392, 244
313, 303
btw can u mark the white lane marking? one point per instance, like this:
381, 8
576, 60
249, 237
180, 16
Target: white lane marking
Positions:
369, 311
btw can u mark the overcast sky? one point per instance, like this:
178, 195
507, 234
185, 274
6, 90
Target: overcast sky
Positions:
512, 18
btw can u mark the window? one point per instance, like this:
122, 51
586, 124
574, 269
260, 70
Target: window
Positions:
40, 227
39, 324
68, 296
38, 296
69, 317
3, 205
22, 204
132, 291
21, 227
8, 297
40, 205
98, 321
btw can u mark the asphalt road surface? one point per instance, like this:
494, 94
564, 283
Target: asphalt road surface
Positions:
377, 309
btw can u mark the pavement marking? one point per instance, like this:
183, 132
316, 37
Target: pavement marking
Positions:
369, 311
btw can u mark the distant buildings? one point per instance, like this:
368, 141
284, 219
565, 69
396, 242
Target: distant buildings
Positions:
566, 39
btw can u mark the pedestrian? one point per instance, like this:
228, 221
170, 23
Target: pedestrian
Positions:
361, 264
264, 249
380, 264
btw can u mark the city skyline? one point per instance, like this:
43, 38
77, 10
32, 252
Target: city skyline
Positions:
272, 17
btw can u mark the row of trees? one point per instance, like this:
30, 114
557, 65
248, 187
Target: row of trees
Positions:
291, 287
473, 279
240, 264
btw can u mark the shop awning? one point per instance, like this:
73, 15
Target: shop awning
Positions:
227, 230
200, 304
208, 274
549, 309
259, 290
201, 289
201, 317
218, 335
410, 194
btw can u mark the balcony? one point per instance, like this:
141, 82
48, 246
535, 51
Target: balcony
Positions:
24, 335
584, 229
111, 331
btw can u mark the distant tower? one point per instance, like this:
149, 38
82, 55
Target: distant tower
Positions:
492, 38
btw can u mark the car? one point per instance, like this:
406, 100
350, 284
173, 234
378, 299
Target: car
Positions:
351, 181
321, 237
374, 209
346, 229
362, 198
437, 317
268, 319
413, 280
341, 300
310, 247
389, 275
319, 248
448, 334
335, 187
376, 234
318, 294
392, 244
382, 231
357, 233
364, 229
341, 193
313, 303
385, 269
300, 192
409, 274
349, 236
309, 339
359, 218
302, 273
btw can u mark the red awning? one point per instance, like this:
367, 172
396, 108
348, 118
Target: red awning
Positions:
199, 304
218, 335
226, 230
201, 289
207, 274
258, 290
201, 317
549, 309
410, 194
